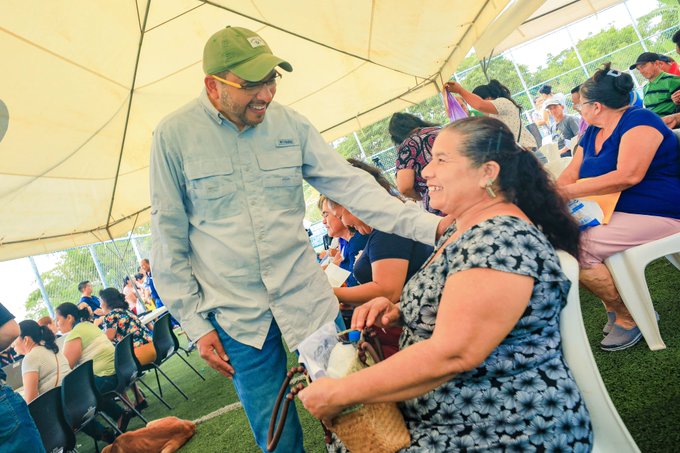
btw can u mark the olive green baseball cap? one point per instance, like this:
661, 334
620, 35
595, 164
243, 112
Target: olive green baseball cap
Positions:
242, 52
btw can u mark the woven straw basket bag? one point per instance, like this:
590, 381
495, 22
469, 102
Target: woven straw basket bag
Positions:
371, 428
374, 428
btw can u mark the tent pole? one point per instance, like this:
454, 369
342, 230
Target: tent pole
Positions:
41, 285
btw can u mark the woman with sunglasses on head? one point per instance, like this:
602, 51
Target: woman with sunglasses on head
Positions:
628, 150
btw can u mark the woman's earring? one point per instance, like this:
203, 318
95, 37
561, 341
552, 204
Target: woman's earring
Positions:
489, 188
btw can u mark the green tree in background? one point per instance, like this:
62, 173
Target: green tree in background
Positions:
76, 265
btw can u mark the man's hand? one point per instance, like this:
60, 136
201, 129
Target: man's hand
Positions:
672, 121
211, 350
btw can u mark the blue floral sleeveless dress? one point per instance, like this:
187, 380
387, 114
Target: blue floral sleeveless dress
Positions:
523, 397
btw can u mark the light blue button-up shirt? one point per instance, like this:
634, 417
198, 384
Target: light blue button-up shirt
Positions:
227, 209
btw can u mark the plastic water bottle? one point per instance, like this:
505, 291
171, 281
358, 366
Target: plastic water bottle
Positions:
587, 213
343, 358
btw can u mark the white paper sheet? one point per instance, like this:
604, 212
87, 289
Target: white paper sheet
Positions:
336, 275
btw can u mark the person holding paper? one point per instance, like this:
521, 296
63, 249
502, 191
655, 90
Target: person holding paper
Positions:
385, 265
627, 151
480, 366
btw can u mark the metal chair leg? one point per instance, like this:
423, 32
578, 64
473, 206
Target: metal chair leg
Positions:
110, 422
132, 408
155, 394
170, 381
158, 381
190, 366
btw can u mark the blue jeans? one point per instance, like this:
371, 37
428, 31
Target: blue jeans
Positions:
106, 384
258, 377
17, 429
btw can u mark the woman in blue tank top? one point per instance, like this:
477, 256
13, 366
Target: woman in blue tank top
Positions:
628, 150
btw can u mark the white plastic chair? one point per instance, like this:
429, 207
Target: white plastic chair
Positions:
556, 167
609, 432
628, 271
550, 151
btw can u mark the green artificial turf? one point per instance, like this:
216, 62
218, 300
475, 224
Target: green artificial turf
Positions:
644, 385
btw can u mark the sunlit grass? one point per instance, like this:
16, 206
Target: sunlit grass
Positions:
644, 385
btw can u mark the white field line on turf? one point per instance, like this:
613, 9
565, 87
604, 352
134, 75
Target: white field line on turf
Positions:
218, 412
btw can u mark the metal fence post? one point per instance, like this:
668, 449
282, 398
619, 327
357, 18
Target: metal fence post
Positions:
635, 27
521, 77
361, 148
135, 248
43, 291
578, 54
98, 265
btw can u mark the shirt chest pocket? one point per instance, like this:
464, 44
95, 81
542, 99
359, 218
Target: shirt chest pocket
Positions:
281, 171
212, 189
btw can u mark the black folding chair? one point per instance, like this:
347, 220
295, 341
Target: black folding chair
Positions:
166, 344
128, 368
48, 415
127, 372
80, 400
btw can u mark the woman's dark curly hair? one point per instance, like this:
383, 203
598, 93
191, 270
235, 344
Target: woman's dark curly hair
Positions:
522, 179
610, 87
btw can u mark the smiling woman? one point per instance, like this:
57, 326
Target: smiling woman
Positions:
480, 363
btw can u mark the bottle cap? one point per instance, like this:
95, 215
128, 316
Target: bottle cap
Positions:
354, 336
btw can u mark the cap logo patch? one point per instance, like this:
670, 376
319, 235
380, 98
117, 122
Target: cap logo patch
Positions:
255, 41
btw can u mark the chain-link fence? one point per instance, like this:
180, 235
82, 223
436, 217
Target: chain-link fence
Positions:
525, 89
104, 264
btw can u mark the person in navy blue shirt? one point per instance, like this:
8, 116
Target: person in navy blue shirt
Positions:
89, 301
385, 265
626, 150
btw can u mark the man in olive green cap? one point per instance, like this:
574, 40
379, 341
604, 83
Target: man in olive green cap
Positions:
232, 261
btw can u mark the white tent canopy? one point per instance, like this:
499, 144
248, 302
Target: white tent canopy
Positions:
85, 82
515, 26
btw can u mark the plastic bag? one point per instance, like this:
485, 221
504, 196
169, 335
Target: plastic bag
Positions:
453, 109
587, 213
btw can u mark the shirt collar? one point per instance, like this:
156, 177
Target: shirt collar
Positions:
210, 109
215, 114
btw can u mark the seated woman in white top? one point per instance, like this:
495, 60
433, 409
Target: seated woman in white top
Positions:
44, 366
